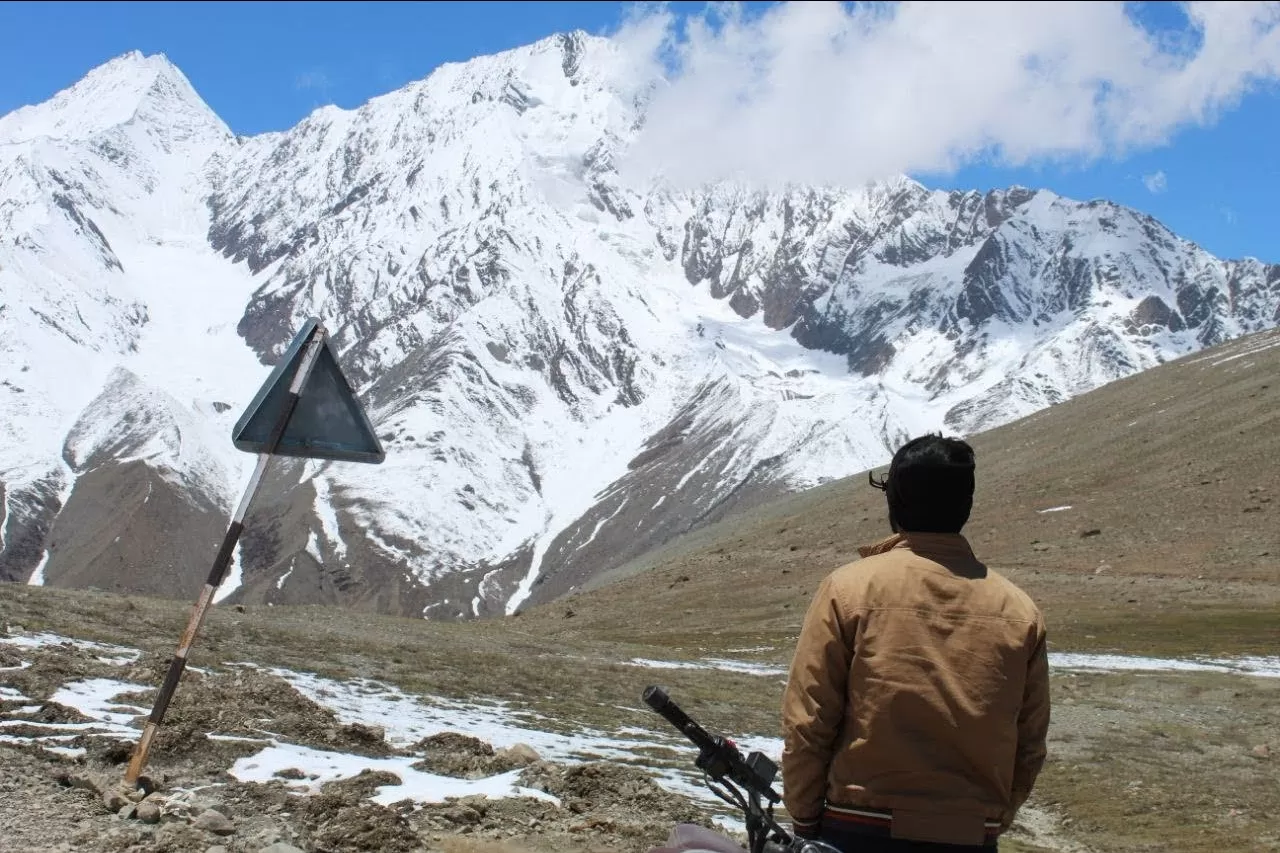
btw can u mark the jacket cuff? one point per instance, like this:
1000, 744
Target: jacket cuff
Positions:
809, 829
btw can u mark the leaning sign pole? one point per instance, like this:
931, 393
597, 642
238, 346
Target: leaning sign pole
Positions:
306, 408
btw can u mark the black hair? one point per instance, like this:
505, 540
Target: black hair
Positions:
929, 486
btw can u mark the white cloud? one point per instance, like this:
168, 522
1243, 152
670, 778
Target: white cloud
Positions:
836, 93
1156, 182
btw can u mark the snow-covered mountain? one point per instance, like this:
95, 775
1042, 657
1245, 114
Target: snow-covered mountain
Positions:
566, 371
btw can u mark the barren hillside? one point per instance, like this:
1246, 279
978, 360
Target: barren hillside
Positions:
1145, 502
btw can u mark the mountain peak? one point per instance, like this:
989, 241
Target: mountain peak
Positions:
113, 94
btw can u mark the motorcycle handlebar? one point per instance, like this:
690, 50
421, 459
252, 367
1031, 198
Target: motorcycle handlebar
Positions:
719, 756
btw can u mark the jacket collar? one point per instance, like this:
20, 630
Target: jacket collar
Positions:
879, 547
943, 547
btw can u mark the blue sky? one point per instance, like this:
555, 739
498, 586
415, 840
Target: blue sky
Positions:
264, 66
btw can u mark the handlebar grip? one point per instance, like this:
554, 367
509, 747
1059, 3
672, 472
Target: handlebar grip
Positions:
657, 699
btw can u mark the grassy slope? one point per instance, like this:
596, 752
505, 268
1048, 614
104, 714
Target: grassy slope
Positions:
1172, 541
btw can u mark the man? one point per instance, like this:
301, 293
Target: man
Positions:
917, 705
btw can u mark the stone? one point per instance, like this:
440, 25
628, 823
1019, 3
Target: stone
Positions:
461, 815
81, 780
212, 820
217, 848
479, 802
148, 811
114, 800
279, 847
520, 755
1262, 750
145, 786
370, 732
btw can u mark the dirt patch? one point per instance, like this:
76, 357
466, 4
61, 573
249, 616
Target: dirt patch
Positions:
112, 753
600, 785
365, 827
613, 799
250, 703
1039, 829
480, 816
356, 789
603, 808
466, 757
151, 669
339, 819
53, 666
52, 712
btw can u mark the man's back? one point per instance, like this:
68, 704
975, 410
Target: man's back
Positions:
919, 687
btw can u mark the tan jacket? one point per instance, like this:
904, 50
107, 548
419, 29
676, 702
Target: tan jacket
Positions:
920, 684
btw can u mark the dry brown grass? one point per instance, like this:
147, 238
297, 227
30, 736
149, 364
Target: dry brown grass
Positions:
1163, 762
457, 844
1173, 535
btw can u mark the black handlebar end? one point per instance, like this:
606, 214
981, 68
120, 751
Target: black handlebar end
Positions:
655, 697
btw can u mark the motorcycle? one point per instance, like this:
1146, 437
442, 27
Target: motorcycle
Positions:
745, 783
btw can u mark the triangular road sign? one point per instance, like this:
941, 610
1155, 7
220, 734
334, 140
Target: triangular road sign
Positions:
315, 416
328, 421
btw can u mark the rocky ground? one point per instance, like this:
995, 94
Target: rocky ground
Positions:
326, 730
73, 806
68, 794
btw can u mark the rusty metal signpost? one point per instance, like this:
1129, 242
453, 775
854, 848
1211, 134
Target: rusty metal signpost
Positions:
306, 408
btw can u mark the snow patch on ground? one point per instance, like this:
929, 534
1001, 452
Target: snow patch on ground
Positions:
407, 719
1263, 667
37, 574
8, 694
109, 652
742, 666
95, 698
1259, 666
321, 767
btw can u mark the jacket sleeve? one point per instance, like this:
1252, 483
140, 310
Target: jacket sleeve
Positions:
1033, 724
813, 704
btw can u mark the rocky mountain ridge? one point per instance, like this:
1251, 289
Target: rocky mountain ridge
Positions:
566, 369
